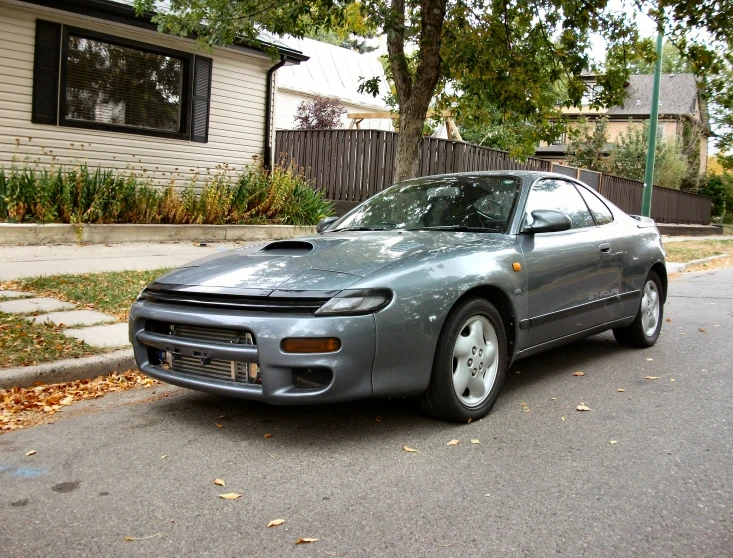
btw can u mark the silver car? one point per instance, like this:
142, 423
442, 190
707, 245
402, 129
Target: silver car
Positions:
430, 290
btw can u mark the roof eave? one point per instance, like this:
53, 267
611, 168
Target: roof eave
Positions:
116, 12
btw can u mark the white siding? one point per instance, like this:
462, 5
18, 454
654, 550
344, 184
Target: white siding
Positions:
287, 105
236, 123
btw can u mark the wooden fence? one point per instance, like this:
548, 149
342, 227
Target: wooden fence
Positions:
349, 166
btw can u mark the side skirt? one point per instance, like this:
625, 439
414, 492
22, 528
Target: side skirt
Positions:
572, 337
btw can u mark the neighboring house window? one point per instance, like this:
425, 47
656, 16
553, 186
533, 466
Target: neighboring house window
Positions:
660, 131
114, 84
591, 93
560, 140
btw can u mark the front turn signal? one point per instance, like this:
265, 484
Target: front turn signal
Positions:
310, 345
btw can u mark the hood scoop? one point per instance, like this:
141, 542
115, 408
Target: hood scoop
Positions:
286, 248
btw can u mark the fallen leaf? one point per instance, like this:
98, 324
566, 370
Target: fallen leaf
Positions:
554, 398
68, 400
475, 441
305, 540
230, 496
163, 456
668, 320
268, 435
671, 379
378, 419
612, 442
649, 359
275, 522
222, 416
703, 330
219, 425
32, 452
410, 450
651, 377
469, 421
681, 333
220, 482
454, 442
517, 372
142, 538
562, 418
583, 408
621, 390
578, 373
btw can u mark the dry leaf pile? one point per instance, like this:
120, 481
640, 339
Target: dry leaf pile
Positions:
23, 407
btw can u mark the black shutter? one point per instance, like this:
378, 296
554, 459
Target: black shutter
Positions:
46, 72
201, 99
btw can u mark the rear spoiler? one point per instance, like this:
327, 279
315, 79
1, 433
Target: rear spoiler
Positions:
644, 222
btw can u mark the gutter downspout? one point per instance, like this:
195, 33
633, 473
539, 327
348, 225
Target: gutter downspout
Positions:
268, 111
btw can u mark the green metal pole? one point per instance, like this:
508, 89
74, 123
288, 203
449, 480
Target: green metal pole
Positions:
646, 202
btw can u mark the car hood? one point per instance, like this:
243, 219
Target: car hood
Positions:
329, 262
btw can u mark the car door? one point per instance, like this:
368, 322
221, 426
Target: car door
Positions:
563, 268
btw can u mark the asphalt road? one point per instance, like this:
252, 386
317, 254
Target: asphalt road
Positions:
535, 485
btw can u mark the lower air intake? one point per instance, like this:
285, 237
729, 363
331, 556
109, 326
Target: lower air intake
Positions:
312, 377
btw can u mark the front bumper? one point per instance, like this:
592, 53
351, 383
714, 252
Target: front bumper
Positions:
351, 366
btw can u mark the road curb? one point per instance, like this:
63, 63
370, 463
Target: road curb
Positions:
678, 267
33, 234
67, 370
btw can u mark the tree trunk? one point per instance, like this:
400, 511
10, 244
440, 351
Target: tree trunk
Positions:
414, 92
409, 140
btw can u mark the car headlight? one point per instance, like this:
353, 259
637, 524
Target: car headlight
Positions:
140, 294
356, 302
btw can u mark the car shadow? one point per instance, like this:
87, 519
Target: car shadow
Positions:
359, 421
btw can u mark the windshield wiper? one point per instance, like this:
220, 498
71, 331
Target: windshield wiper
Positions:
361, 229
458, 228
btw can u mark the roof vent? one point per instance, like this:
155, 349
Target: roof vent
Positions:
286, 248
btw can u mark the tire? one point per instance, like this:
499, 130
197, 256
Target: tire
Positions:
644, 330
473, 332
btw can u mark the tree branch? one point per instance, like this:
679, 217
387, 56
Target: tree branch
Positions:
394, 25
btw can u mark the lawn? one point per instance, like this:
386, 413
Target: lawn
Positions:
688, 250
23, 343
112, 292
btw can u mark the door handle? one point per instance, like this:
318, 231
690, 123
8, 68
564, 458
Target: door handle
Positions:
605, 248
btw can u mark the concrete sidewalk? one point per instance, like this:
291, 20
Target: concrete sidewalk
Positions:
34, 261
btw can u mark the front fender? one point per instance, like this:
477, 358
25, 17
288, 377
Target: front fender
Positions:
425, 291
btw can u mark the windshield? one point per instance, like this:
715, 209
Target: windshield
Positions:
472, 203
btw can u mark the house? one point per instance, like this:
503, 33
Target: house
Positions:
87, 80
331, 71
680, 105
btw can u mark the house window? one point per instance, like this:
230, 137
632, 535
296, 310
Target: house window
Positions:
111, 83
559, 140
592, 92
660, 132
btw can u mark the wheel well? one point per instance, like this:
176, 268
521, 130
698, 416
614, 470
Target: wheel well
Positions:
500, 300
660, 270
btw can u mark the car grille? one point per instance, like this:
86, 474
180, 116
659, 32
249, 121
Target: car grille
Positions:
219, 370
295, 305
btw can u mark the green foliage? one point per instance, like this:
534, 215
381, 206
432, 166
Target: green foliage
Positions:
489, 61
80, 195
628, 158
588, 145
720, 188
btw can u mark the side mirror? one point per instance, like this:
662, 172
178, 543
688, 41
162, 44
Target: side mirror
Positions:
547, 220
323, 224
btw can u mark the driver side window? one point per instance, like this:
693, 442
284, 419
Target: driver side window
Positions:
561, 196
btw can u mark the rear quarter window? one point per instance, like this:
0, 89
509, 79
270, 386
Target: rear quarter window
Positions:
600, 210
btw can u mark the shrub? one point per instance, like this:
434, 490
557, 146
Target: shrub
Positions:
81, 195
319, 113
